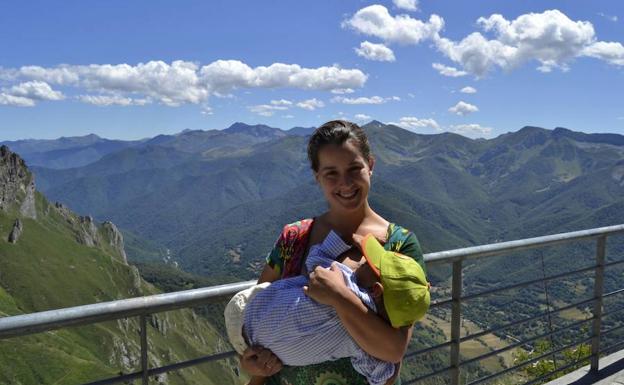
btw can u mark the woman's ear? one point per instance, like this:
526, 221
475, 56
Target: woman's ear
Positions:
377, 290
371, 164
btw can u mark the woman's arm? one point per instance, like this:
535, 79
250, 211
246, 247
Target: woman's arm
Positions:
261, 363
371, 332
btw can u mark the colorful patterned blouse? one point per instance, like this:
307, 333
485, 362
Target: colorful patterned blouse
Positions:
286, 258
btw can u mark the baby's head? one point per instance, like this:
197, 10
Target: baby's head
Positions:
396, 282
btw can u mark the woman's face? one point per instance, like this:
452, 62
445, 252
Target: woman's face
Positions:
344, 176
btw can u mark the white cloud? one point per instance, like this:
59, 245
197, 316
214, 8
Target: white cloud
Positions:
472, 130
608, 51
612, 18
184, 82
266, 109
36, 90
206, 110
448, 71
288, 116
463, 108
375, 20
361, 117
550, 38
468, 90
413, 123
364, 100
281, 102
112, 100
311, 104
409, 5
341, 91
16, 101
377, 52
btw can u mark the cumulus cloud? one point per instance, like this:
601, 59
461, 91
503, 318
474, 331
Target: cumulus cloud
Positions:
551, 38
409, 5
364, 100
112, 100
182, 82
471, 130
281, 102
16, 101
413, 123
468, 90
377, 52
266, 109
311, 104
375, 20
463, 108
28, 93
448, 71
341, 91
608, 51
362, 117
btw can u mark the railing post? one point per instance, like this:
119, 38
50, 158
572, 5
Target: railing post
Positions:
598, 289
456, 292
144, 365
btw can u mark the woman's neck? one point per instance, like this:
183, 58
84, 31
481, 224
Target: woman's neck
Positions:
347, 222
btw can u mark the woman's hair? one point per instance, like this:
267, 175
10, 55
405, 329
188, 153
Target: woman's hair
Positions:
337, 132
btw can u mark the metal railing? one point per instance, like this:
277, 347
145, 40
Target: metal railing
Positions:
144, 306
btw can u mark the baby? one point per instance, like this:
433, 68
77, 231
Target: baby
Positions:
301, 331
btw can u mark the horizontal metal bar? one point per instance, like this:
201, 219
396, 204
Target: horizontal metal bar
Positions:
514, 323
106, 311
527, 362
613, 293
614, 263
515, 345
164, 369
522, 244
527, 283
562, 368
434, 373
425, 350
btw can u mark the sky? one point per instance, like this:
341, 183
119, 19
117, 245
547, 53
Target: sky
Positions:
136, 69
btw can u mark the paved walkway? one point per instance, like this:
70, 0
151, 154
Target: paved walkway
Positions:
611, 373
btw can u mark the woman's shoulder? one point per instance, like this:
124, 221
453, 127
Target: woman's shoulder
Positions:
297, 229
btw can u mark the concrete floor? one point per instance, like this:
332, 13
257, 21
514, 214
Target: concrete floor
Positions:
611, 373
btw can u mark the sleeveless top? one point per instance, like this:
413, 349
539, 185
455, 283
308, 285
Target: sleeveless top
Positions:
286, 258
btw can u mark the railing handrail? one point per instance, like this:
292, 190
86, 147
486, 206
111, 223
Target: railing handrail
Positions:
105, 311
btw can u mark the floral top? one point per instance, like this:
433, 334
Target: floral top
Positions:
287, 258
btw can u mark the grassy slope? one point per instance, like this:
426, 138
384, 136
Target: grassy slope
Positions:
48, 269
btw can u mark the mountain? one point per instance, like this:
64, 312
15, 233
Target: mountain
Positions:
451, 190
66, 152
42, 245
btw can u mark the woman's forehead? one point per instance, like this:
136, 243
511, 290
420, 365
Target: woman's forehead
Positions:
344, 153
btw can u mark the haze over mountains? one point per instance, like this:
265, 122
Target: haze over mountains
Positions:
217, 199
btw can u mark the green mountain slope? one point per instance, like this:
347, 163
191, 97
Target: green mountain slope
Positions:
61, 260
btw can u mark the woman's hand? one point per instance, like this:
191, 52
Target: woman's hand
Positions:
260, 362
326, 286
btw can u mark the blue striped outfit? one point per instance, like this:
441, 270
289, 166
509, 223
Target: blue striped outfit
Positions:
301, 331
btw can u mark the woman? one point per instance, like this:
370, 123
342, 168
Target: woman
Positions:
342, 163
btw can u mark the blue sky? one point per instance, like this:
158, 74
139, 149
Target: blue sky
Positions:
137, 69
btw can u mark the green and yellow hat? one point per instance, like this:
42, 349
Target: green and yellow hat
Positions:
406, 290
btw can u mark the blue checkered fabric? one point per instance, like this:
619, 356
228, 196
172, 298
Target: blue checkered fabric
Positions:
301, 331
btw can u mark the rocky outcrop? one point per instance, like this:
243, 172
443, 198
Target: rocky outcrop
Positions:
17, 184
16, 231
87, 234
115, 239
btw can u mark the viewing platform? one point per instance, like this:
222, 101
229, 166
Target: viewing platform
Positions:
603, 341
